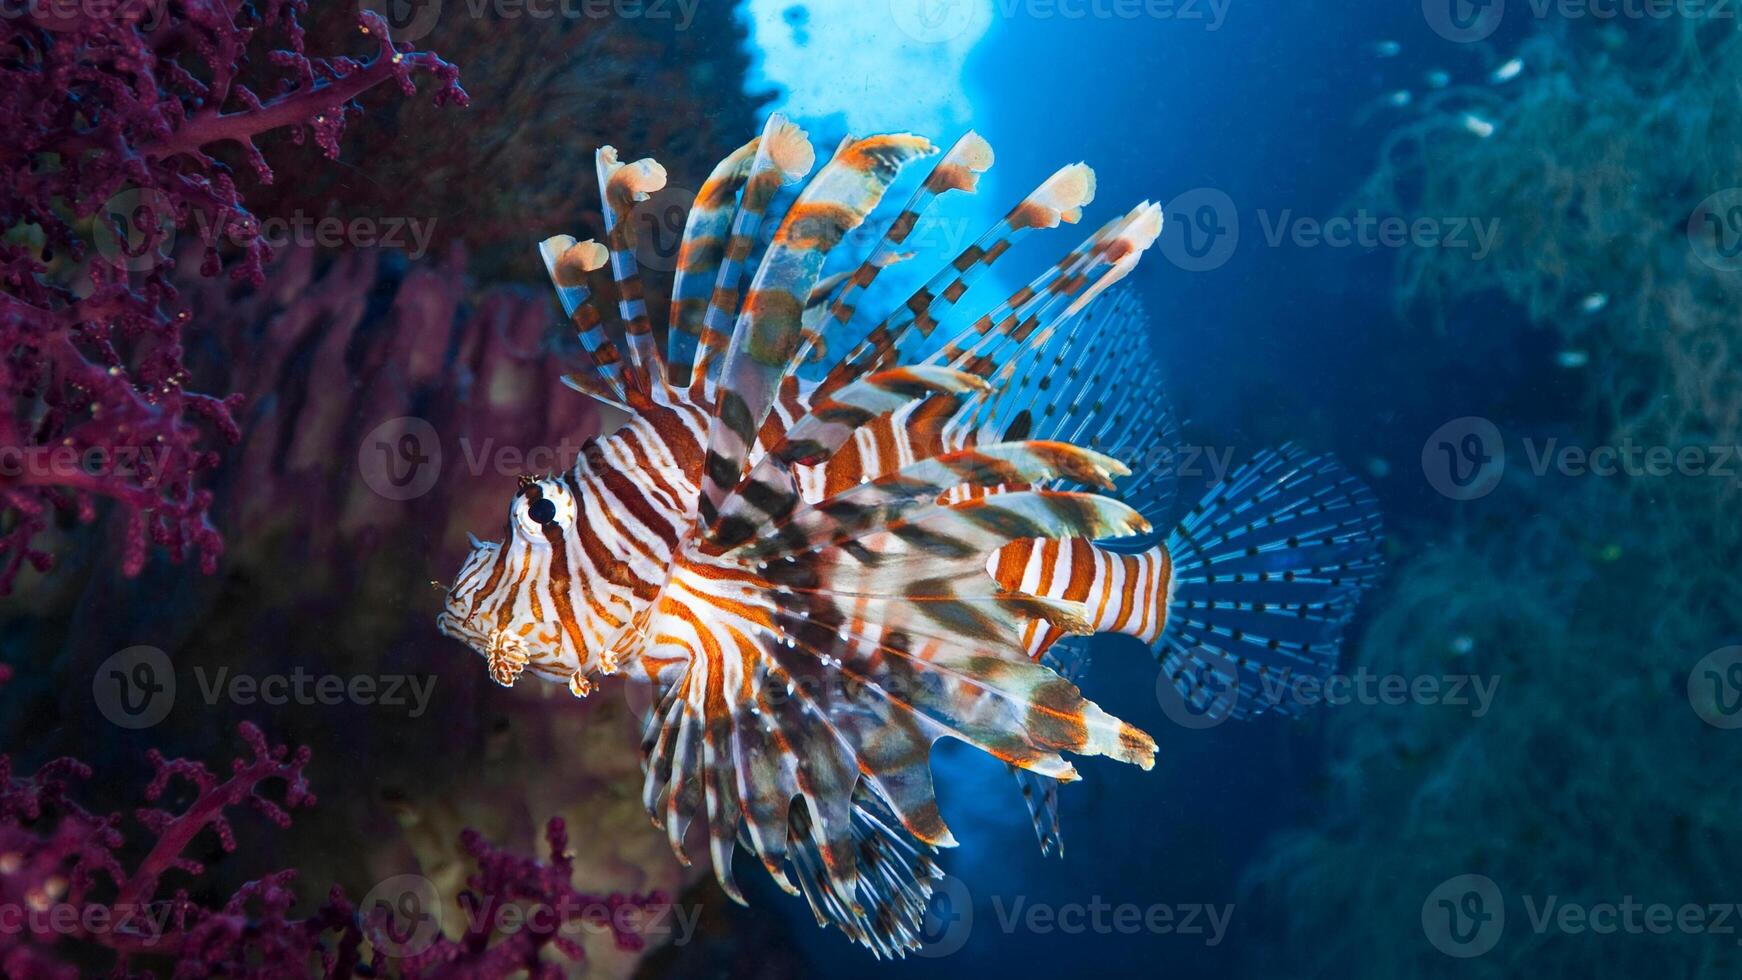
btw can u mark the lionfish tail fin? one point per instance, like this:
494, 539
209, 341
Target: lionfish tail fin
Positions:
1267, 571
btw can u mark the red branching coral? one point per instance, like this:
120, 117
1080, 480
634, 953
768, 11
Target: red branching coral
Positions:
116, 116
66, 888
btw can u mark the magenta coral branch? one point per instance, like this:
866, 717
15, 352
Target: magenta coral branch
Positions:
175, 833
52, 853
295, 108
106, 114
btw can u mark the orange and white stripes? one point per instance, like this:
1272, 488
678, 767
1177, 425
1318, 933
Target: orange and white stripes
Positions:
1124, 593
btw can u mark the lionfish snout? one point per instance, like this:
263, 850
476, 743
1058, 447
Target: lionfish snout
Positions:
468, 613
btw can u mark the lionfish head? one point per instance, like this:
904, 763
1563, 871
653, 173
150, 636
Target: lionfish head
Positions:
501, 605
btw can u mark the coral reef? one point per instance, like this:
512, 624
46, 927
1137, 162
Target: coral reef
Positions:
1597, 157
325, 567
69, 886
119, 121
1588, 599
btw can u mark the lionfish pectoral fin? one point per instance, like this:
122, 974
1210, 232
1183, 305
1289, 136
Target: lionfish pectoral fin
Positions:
579, 685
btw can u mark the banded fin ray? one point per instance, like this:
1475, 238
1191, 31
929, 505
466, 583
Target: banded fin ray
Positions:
958, 170
1069, 658
621, 187
783, 156
1090, 386
568, 264
700, 253
766, 337
1060, 198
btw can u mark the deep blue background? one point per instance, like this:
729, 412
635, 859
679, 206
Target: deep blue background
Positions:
1279, 109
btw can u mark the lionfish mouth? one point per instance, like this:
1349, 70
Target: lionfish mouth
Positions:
506, 651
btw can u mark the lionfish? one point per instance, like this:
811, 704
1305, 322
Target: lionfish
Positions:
822, 566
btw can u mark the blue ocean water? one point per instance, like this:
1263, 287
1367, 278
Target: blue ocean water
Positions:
1276, 342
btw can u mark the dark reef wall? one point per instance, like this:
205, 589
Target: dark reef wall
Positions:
1591, 600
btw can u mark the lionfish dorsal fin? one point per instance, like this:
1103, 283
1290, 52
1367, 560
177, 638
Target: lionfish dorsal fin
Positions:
958, 170
1060, 197
783, 156
1091, 385
1028, 316
569, 263
706, 231
621, 187
768, 332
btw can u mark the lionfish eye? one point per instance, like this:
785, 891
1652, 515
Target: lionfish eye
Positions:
543, 510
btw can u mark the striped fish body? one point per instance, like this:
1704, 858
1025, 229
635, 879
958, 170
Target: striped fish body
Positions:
564, 597
821, 577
